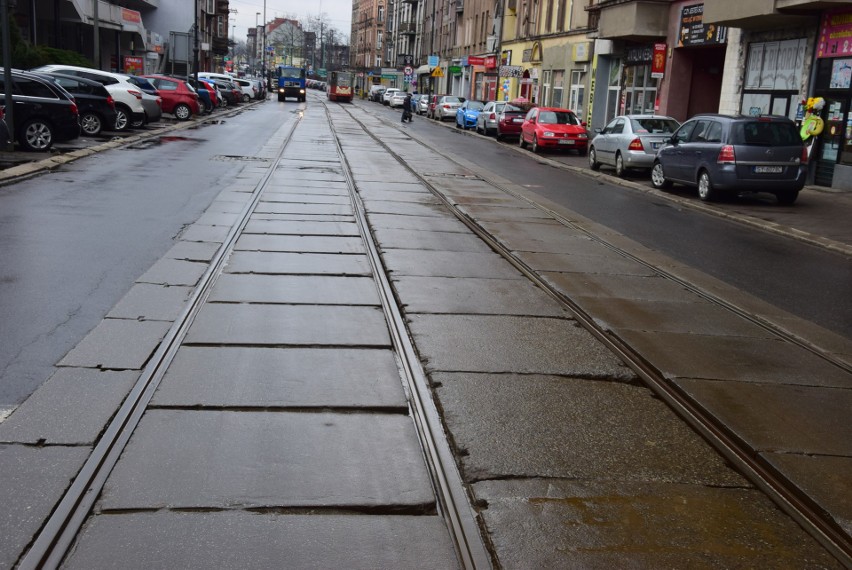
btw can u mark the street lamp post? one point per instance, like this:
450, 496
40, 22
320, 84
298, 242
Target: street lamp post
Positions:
256, 43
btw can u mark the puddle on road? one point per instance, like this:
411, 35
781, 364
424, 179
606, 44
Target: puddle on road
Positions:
157, 141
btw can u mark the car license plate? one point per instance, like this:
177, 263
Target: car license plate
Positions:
768, 169
517, 120
566, 141
656, 145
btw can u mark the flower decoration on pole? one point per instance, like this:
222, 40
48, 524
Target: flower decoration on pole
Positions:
812, 124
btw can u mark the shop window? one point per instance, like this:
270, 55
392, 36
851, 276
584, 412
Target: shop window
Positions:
640, 90
545, 88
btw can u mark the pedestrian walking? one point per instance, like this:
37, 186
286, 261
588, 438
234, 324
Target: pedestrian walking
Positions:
406, 108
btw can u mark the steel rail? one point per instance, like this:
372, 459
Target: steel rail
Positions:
793, 502
56, 536
453, 500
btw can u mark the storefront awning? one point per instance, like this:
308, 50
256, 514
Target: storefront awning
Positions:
423, 70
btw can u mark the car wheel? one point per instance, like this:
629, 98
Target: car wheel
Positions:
137, 124
498, 136
36, 135
593, 159
705, 187
458, 126
91, 124
122, 119
619, 165
246, 98
658, 178
535, 148
183, 112
787, 197
521, 142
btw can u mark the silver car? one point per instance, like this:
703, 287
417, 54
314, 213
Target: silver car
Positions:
486, 122
422, 104
630, 141
447, 106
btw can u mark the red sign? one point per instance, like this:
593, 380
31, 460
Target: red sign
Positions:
658, 61
134, 65
475, 60
131, 16
491, 61
835, 37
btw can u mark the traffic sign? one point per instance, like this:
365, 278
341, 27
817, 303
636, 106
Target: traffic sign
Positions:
408, 70
437, 72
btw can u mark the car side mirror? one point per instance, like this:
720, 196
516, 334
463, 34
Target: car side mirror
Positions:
584, 124
597, 131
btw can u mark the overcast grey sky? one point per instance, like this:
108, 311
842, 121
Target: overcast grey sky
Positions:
338, 12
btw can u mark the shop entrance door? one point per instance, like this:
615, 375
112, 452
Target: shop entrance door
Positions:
831, 140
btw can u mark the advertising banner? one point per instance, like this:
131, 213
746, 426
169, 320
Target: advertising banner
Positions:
835, 37
693, 31
658, 62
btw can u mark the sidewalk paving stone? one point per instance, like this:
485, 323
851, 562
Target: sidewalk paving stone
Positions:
295, 289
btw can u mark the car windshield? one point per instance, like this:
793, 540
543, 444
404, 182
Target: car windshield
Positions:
654, 126
452, 100
475, 105
558, 118
765, 133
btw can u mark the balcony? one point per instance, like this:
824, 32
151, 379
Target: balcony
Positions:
764, 14
408, 28
635, 20
459, 6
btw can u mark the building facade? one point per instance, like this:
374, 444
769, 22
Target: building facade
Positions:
138, 36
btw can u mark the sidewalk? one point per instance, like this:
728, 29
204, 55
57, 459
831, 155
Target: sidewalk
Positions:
569, 460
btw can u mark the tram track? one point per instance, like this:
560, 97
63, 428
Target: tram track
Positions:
57, 536
785, 495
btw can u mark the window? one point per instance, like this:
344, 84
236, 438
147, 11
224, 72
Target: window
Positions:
558, 80
379, 40
578, 92
682, 134
32, 88
381, 17
545, 87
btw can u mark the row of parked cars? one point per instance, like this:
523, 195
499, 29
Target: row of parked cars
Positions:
55, 103
717, 154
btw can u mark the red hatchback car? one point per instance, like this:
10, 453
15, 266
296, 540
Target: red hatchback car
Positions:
179, 98
548, 127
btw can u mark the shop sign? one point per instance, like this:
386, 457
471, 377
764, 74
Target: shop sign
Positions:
511, 71
134, 65
455, 69
775, 65
835, 37
580, 51
131, 16
475, 60
639, 54
658, 63
693, 31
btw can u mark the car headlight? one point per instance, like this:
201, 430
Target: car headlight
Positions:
582, 136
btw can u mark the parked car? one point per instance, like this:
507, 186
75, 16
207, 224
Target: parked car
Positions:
248, 89
446, 107
44, 112
728, 153
375, 93
549, 127
386, 96
230, 94
205, 98
510, 119
179, 98
486, 121
212, 90
128, 97
467, 113
4, 129
151, 100
397, 99
630, 141
95, 105
260, 88
422, 104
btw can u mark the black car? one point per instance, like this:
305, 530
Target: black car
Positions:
230, 92
44, 112
95, 104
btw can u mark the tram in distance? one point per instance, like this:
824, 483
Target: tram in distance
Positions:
340, 86
291, 82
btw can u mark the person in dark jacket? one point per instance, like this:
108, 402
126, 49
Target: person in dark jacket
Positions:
406, 108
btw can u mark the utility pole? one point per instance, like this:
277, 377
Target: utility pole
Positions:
7, 73
195, 48
96, 20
